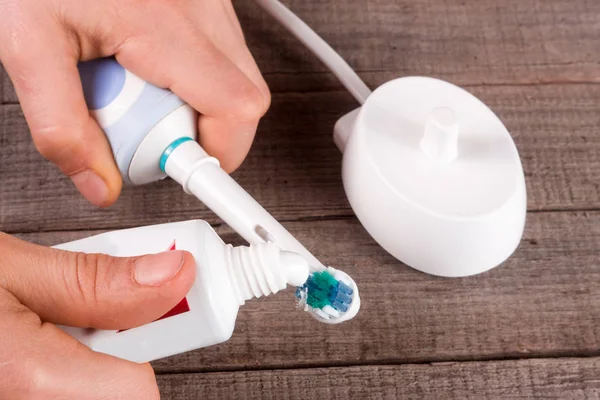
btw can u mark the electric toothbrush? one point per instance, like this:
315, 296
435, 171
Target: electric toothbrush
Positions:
153, 133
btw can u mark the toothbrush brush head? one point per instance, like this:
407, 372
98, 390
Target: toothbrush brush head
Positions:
326, 295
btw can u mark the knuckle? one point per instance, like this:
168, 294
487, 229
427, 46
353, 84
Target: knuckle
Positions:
27, 376
253, 104
52, 142
38, 378
45, 140
84, 278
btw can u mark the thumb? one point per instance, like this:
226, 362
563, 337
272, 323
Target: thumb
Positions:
94, 290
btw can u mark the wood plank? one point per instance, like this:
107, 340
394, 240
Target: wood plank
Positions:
7, 91
544, 379
541, 303
294, 169
479, 42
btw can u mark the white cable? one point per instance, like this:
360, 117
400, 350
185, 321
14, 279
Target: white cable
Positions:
319, 47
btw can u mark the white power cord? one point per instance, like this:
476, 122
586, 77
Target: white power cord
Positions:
319, 47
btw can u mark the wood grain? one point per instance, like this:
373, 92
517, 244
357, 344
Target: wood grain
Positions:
294, 170
541, 379
536, 63
7, 91
480, 42
541, 303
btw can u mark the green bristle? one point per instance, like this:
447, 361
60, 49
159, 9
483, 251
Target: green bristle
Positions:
320, 285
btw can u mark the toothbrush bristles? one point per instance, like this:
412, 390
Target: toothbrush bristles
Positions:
325, 295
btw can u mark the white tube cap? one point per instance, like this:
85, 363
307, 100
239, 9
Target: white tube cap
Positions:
435, 177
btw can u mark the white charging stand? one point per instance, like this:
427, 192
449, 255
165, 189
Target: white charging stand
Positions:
434, 177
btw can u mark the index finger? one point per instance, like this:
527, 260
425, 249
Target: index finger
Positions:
189, 64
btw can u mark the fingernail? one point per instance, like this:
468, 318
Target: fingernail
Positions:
91, 186
156, 269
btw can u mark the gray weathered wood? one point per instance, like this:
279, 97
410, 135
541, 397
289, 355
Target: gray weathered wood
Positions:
7, 91
480, 42
294, 170
536, 62
566, 378
541, 303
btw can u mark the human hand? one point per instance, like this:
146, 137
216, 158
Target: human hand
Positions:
194, 48
40, 286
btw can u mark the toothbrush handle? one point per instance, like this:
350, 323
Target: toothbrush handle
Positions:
126, 107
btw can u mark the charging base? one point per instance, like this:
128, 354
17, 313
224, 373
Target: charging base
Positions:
434, 177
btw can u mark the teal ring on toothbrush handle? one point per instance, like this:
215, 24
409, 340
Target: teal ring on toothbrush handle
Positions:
165, 156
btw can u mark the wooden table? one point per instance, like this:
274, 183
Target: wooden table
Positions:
530, 328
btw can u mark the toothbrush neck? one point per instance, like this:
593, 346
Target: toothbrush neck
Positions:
184, 157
